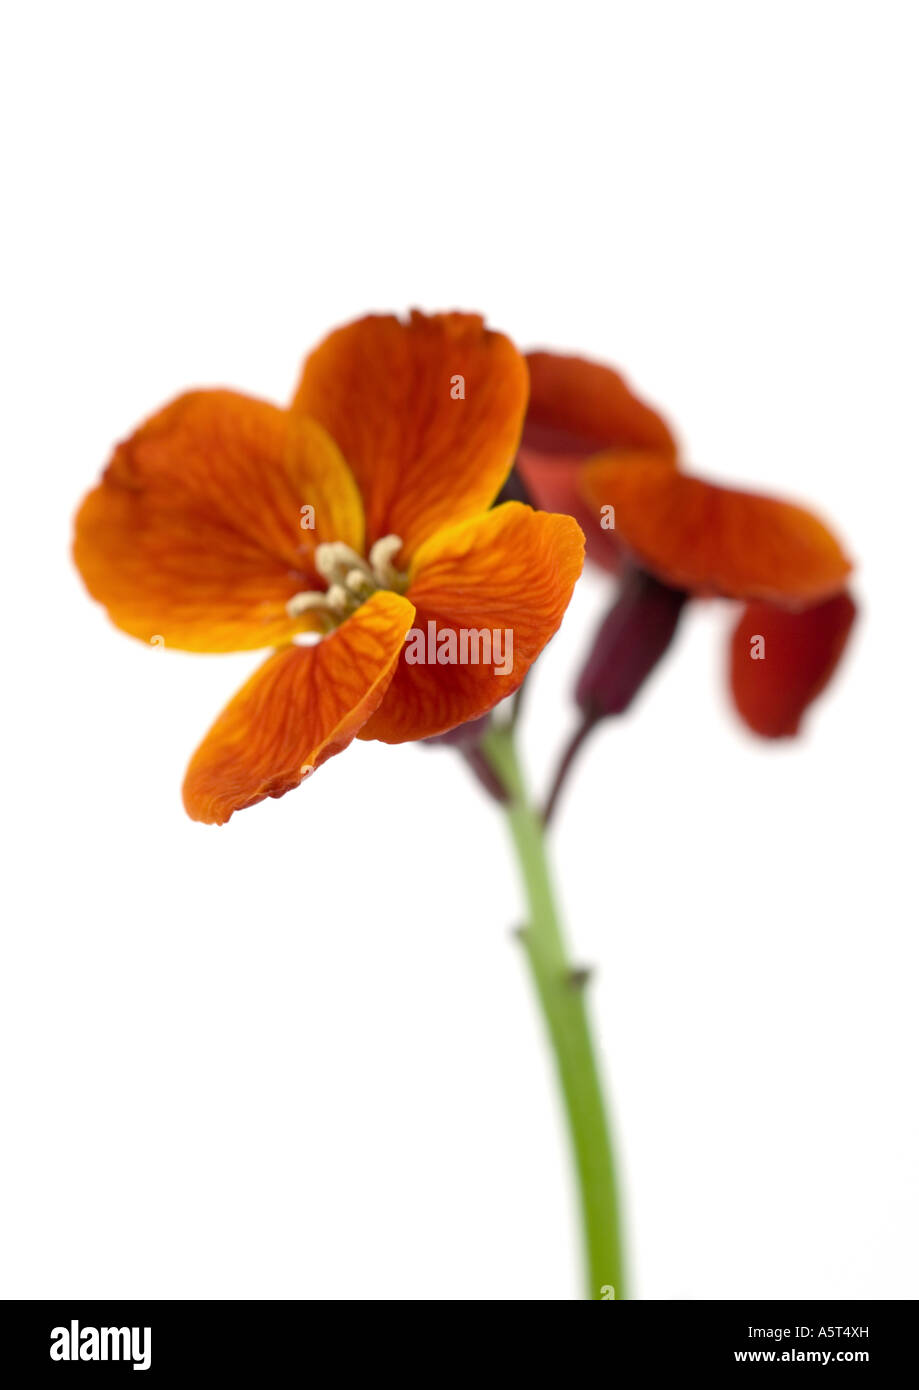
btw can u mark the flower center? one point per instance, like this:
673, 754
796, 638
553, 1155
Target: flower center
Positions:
350, 579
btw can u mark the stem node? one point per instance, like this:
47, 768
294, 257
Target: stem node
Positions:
580, 976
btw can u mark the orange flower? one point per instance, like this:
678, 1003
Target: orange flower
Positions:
227, 524
591, 448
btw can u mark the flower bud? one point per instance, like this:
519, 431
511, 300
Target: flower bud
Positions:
630, 642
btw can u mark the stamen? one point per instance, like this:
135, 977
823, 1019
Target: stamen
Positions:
341, 600
382, 554
351, 580
334, 560
359, 582
307, 602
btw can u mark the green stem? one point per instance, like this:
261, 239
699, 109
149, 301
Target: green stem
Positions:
560, 989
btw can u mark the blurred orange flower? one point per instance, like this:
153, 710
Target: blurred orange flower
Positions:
592, 448
196, 534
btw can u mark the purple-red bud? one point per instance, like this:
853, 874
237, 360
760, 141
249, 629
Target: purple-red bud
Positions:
630, 642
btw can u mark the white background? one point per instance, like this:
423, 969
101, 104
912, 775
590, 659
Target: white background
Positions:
297, 1057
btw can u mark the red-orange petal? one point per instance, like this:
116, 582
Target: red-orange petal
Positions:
388, 392
199, 530
781, 660
509, 570
553, 483
708, 539
303, 705
576, 409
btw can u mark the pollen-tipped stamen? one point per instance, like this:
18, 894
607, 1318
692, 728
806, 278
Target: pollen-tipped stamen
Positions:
334, 561
382, 554
350, 579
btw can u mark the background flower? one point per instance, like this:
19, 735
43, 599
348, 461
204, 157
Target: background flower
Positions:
591, 447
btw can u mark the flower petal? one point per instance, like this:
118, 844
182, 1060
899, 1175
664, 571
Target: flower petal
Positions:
579, 408
774, 680
510, 570
196, 531
304, 704
553, 481
708, 539
387, 393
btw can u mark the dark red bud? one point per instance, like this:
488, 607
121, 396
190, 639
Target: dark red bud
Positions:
631, 641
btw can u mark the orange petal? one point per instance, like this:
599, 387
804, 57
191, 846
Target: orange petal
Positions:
511, 570
198, 532
576, 409
304, 704
387, 393
714, 540
774, 679
553, 482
